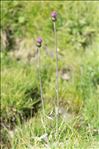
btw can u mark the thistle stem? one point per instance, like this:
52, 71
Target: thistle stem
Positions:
41, 90
57, 87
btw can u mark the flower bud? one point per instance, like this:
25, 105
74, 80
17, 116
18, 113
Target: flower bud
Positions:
54, 16
39, 42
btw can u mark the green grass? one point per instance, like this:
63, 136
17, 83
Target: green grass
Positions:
17, 92
78, 48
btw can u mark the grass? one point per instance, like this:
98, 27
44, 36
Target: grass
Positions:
78, 49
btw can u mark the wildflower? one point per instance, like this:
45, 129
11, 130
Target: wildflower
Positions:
54, 16
39, 42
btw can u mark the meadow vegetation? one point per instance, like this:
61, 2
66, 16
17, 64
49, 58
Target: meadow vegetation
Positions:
21, 122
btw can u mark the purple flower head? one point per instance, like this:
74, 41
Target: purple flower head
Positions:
39, 41
54, 16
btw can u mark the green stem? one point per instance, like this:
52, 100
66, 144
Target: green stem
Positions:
41, 90
57, 87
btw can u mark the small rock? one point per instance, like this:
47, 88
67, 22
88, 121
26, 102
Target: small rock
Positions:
44, 137
66, 74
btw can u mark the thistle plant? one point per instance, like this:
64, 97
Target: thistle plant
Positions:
39, 44
54, 19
